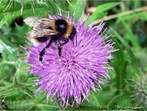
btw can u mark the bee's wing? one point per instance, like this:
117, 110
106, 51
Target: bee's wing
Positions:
31, 21
36, 33
43, 23
36, 22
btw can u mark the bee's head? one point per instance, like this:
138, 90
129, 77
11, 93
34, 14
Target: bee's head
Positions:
65, 28
61, 26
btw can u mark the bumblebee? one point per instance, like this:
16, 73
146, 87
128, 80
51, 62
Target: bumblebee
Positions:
55, 30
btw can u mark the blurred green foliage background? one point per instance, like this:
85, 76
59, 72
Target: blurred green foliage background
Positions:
127, 20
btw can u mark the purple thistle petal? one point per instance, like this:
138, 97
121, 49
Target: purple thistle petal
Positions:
83, 62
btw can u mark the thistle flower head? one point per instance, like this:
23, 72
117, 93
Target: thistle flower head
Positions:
139, 95
83, 62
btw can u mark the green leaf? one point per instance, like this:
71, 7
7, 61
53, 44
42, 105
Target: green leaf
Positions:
79, 8
4, 46
101, 11
113, 100
53, 7
131, 55
120, 64
10, 10
130, 36
46, 107
130, 17
21, 104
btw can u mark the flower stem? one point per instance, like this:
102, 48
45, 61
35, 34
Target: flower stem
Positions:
106, 18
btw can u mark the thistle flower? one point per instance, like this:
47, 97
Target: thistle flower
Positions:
83, 62
139, 95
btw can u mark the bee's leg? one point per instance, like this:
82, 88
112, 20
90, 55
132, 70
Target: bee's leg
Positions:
58, 46
43, 50
74, 41
65, 41
41, 54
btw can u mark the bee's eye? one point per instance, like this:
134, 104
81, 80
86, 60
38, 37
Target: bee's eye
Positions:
61, 26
